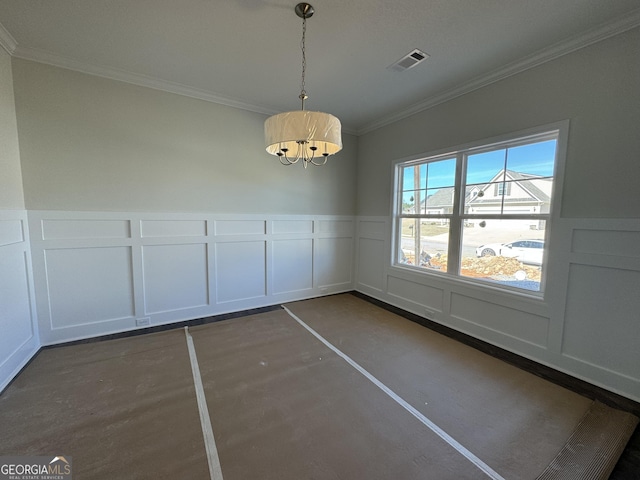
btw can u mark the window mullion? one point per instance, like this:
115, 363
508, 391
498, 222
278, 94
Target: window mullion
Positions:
418, 222
504, 180
455, 225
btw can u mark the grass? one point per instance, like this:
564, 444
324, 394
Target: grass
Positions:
426, 229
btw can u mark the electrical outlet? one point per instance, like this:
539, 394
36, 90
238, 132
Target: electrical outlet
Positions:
143, 322
429, 311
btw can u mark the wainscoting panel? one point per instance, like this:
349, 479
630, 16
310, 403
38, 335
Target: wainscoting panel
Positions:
175, 277
18, 323
241, 271
597, 322
372, 250
98, 273
418, 294
335, 227
173, 228
97, 229
292, 265
240, 227
586, 324
374, 228
371, 273
16, 307
606, 242
284, 227
601, 330
333, 261
85, 272
11, 232
503, 320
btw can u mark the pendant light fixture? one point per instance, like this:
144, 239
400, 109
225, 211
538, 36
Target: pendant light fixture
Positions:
302, 135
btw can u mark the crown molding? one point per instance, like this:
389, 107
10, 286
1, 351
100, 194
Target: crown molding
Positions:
604, 31
560, 49
48, 58
7, 41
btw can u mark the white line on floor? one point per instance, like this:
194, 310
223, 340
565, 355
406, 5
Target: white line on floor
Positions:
207, 431
432, 426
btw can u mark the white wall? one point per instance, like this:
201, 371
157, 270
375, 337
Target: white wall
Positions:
93, 144
587, 324
18, 333
11, 193
596, 88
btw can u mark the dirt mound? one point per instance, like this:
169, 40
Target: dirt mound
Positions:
490, 267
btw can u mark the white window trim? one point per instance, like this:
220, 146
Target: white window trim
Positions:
455, 233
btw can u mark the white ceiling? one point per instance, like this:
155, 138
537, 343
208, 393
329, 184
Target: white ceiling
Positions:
246, 53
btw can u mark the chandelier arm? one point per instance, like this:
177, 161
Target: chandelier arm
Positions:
294, 160
300, 153
313, 155
319, 163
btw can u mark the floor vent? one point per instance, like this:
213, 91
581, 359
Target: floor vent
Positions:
409, 61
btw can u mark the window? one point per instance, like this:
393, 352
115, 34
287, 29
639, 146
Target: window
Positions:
482, 212
503, 189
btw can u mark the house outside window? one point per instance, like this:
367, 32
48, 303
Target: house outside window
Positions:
482, 212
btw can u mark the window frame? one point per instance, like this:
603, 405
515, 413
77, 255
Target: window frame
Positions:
558, 131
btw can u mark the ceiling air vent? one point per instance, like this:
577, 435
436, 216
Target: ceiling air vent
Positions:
409, 61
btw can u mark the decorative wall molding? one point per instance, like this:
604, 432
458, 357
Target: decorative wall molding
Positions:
19, 338
98, 273
599, 310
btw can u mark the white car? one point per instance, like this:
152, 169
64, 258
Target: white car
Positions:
527, 251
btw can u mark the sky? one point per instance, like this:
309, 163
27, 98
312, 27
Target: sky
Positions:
535, 158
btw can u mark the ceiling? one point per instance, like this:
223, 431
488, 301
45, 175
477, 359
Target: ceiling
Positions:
246, 53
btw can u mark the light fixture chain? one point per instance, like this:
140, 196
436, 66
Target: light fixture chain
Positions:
303, 93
